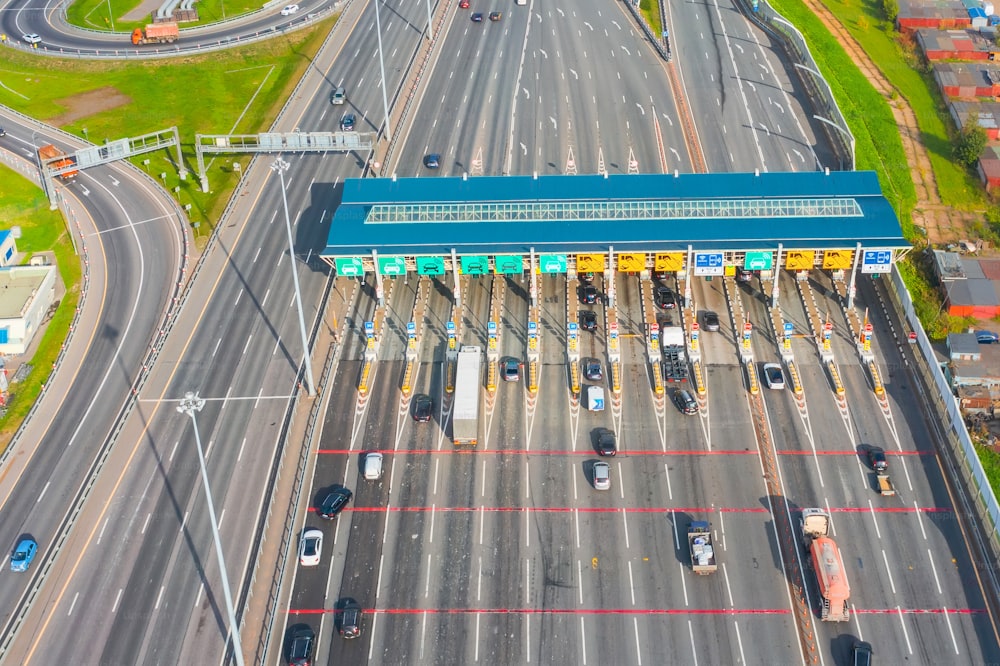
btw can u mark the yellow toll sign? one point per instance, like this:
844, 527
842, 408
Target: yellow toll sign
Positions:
590, 263
838, 260
800, 260
669, 262
631, 262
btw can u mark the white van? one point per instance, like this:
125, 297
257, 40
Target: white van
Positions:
521, 2
373, 466
595, 398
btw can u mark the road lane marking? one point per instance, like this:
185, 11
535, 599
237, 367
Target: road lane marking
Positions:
631, 582
906, 634
885, 559
378, 580
47, 483
103, 527
625, 523
427, 581
72, 605
583, 641
729, 589
145, 523
118, 597
638, 647
934, 570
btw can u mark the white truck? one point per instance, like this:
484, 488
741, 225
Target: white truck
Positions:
702, 551
468, 392
674, 354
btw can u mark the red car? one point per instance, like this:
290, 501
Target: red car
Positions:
463, 4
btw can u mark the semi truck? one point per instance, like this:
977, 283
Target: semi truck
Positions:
674, 356
50, 152
701, 548
156, 33
825, 560
468, 390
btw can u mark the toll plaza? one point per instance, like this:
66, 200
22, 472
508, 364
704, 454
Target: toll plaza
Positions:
591, 228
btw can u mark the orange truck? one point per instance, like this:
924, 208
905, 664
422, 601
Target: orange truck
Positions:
50, 152
156, 33
824, 556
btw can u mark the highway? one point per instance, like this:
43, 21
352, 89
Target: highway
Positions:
509, 554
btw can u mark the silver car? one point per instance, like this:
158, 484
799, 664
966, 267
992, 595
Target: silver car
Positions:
602, 476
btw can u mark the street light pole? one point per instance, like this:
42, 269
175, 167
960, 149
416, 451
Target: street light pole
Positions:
381, 65
112, 16
190, 405
281, 166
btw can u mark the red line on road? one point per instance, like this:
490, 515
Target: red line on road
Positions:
540, 452
554, 611
848, 452
657, 509
922, 611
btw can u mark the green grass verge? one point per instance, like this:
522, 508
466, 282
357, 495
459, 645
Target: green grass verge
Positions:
235, 91
650, 9
23, 204
107, 14
991, 465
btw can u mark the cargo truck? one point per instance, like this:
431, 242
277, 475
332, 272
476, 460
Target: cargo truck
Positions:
825, 560
701, 548
50, 152
156, 33
674, 356
885, 484
468, 385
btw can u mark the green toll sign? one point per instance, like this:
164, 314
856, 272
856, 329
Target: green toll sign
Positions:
430, 265
758, 261
552, 263
475, 264
392, 265
349, 266
508, 264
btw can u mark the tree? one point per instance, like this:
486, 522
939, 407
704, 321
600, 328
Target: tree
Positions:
891, 10
970, 145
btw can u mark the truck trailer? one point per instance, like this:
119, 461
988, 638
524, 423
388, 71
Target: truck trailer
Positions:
701, 548
50, 152
825, 560
468, 393
674, 355
156, 33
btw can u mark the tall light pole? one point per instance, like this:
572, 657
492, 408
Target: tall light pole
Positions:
111, 14
281, 166
189, 405
381, 65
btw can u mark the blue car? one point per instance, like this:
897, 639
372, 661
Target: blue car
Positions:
23, 555
987, 337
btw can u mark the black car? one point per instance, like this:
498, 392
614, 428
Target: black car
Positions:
477, 17
432, 161
589, 294
685, 401
334, 503
588, 320
495, 16
743, 275
861, 654
300, 648
423, 408
587, 277
347, 123
350, 620
3, 132
710, 321
592, 370
606, 445
876, 458
665, 299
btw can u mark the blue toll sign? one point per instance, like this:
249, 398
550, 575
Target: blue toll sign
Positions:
370, 328
876, 261
411, 329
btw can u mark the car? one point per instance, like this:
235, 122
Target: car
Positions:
588, 320
300, 647
350, 620
665, 299
587, 278
710, 321
589, 294
987, 337
606, 445
310, 548
338, 96
347, 123
496, 16
423, 407
593, 370
876, 458
463, 4
660, 275
861, 654
334, 503
25, 552
288, 10
773, 376
510, 369
373, 466
31, 38
3, 132
432, 161
743, 275
477, 17
685, 401
602, 476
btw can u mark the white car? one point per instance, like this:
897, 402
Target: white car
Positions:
373, 466
288, 10
773, 376
602, 476
310, 548
32, 38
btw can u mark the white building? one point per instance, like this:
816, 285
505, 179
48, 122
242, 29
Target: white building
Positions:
26, 293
